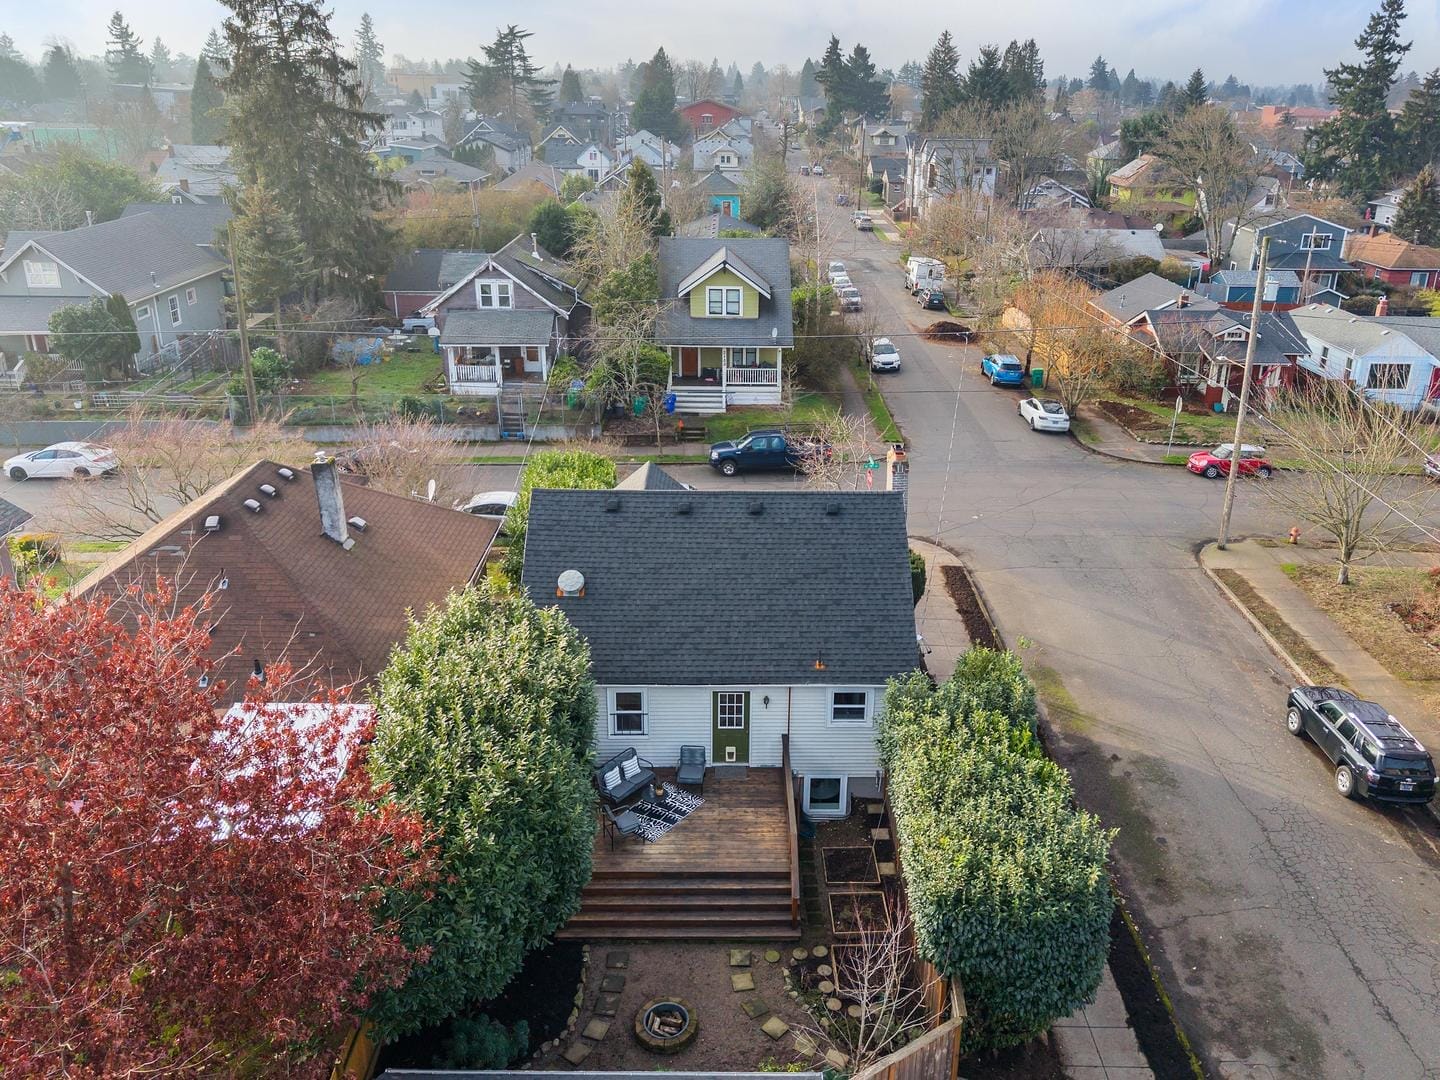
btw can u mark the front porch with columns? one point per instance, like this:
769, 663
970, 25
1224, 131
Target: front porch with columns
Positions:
731, 375
481, 370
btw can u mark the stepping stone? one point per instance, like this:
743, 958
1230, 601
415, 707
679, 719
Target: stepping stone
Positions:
607, 1005
740, 958
754, 1008
805, 1045
775, 1027
598, 1029
853, 1012
742, 981
772, 956
612, 984
874, 807
887, 869
826, 986
879, 834
618, 960
577, 1052
824, 969
800, 954
836, 1058
819, 951
833, 1004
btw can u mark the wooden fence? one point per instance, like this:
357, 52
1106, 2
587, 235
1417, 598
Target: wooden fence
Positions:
933, 1056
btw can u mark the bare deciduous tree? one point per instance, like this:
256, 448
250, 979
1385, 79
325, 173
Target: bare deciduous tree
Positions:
1076, 349
403, 454
834, 453
1207, 150
613, 237
1347, 484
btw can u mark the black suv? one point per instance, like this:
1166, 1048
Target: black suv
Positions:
1373, 753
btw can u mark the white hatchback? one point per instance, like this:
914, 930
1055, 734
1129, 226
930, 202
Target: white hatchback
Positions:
63, 459
1047, 415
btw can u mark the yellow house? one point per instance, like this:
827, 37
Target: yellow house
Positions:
725, 320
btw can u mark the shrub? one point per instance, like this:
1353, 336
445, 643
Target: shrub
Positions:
1006, 880
571, 469
484, 724
478, 1042
917, 575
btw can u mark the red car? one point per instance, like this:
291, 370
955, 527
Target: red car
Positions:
1213, 463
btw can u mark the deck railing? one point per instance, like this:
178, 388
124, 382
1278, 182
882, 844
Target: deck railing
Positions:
481, 373
752, 376
787, 778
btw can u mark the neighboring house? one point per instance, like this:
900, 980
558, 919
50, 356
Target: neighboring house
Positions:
1236, 288
706, 115
890, 172
1126, 305
1385, 257
885, 137
1106, 155
1301, 118
559, 147
203, 224
712, 225
418, 277
723, 191
643, 146
594, 161
729, 148
1383, 208
1283, 163
12, 518
588, 121
1050, 194
1306, 244
725, 320
1086, 249
304, 565
510, 145
751, 648
403, 123
937, 166
1150, 183
1207, 349
414, 148
537, 174
196, 171
429, 171
175, 287
1390, 357
507, 319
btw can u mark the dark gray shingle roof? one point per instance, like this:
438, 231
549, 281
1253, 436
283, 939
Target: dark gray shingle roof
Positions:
516, 326
725, 595
197, 222
431, 269
137, 256
768, 256
1134, 298
650, 477
12, 516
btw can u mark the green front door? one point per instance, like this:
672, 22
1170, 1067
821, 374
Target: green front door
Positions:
731, 712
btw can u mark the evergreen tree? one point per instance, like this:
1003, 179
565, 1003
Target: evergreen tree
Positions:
940, 88
127, 337
414, 100
809, 84
1169, 100
1130, 88
737, 87
369, 55
62, 74
759, 80
1195, 93
18, 81
268, 246
654, 109
985, 82
295, 115
715, 78
864, 94
1417, 218
123, 57
643, 198
910, 74
216, 51
508, 77
1145, 94
1100, 76
1076, 85
1357, 147
207, 122
1062, 96
160, 59
1024, 71
832, 75
570, 91
1419, 122
7, 48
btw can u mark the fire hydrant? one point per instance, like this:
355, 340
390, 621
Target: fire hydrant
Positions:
1295, 534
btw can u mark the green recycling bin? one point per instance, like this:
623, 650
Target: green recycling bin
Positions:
640, 405
572, 399
1037, 377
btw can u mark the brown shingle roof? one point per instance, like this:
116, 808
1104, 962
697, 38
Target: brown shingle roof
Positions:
1389, 252
335, 614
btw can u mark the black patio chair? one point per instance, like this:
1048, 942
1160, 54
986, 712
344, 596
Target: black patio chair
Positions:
691, 770
626, 823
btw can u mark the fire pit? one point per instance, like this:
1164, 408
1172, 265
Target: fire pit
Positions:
666, 1025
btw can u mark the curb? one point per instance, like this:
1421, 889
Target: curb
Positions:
1098, 452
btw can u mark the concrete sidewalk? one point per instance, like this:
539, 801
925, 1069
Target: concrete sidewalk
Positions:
937, 620
1097, 1041
1104, 436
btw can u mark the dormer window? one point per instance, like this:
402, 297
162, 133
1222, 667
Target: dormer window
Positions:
1316, 241
722, 300
492, 294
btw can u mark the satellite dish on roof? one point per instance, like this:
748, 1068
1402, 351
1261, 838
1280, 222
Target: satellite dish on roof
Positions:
430, 490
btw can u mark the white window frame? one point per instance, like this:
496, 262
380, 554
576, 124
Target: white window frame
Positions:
724, 292
614, 711
191, 296
42, 274
739, 358
1419, 278
826, 811
173, 303
851, 721
142, 312
1404, 366
500, 289
723, 700
1311, 241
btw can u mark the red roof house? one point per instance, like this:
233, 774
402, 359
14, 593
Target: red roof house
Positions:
706, 115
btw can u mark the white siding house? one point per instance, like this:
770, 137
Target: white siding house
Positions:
1380, 356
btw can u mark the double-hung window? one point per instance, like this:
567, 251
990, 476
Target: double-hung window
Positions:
174, 303
493, 294
627, 712
1316, 241
1387, 377
42, 274
744, 357
722, 300
191, 296
850, 707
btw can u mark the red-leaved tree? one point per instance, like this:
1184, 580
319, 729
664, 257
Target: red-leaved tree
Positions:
180, 892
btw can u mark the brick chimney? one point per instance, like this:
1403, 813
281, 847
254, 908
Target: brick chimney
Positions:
332, 503
1382, 306
1183, 301
184, 184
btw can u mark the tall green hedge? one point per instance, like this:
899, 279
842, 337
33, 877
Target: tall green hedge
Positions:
573, 469
1006, 879
485, 719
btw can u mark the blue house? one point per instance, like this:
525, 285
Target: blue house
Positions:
723, 190
1229, 287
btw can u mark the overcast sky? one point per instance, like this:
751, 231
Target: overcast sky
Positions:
1261, 41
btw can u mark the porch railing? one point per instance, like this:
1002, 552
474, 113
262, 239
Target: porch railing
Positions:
14, 377
473, 373
752, 376
787, 777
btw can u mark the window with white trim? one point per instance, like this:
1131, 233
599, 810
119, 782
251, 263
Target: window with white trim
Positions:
1316, 241
142, 313
191, 296
1420, 278
744, 357
627, 712
850, 707
1387, 377
174, 303
722, 300
492, 294
824, 794
42, 274
730, 710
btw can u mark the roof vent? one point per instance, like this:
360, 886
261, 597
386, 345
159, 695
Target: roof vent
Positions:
212, 523
357, 523
832, 509
286, 474
170, 549
756, 508
252, 505
570, 583
685, 507
268, 490
612, 505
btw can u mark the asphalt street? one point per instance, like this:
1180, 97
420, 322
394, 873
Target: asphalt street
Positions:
1296, 931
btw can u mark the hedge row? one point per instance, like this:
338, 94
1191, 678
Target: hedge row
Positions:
572, 469
1006, 879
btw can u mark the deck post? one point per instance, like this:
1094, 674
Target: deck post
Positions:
787, 778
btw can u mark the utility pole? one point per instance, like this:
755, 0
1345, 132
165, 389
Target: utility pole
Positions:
252, 400
1255, 309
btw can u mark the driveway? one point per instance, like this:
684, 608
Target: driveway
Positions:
1296, 931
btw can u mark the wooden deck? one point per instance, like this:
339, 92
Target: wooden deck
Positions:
723, 872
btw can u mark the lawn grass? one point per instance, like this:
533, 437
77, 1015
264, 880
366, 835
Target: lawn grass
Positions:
1191, 428
395, 376
880, 414
1084, 432
1299, 649
809, 408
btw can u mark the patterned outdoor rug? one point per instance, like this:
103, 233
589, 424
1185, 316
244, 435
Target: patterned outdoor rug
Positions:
657, 820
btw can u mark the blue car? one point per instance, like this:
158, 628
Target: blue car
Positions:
1003, 370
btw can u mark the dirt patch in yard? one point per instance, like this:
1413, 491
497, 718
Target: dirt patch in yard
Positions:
977, 626
1136, 421
850, 866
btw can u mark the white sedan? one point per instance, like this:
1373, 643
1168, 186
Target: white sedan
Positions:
63, 459
1048, 415
490, 504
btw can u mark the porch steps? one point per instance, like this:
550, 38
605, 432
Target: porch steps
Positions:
510, 410
673, 904
699, 400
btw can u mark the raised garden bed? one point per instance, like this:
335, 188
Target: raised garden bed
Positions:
855, 912
850, 866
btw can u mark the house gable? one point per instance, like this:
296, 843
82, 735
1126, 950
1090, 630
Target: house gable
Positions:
724, 279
